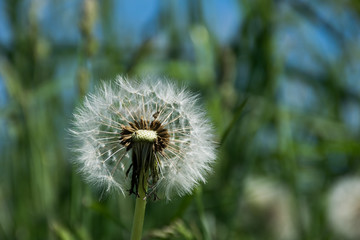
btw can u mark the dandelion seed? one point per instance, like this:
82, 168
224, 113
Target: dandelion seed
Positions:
128, 129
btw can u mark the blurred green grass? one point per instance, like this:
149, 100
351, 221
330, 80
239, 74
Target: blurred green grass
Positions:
304, 148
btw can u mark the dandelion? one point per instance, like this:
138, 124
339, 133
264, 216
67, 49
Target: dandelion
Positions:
344, 208
269, 205
147, 138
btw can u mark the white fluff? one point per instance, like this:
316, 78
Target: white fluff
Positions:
344, 207
97, 128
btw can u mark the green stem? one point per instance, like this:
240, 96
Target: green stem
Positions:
139, 214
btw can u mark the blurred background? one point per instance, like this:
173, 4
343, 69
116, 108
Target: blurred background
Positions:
280, 81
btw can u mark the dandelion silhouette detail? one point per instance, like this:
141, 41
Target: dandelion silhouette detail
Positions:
128, 128
344, 208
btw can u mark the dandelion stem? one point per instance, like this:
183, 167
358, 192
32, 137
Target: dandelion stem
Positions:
139, 214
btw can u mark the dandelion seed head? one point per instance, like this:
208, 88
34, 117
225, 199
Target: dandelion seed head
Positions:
268, 206
149, 118
344, 207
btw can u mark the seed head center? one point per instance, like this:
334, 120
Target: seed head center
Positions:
144, 136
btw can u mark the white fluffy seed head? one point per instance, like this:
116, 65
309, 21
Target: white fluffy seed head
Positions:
265, 201
184, 163
344, 208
